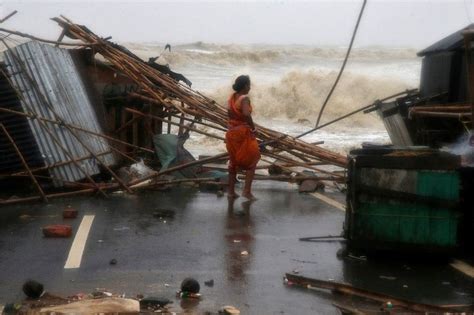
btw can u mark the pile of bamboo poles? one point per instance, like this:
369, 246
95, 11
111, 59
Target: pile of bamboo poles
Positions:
175, 101
162, 89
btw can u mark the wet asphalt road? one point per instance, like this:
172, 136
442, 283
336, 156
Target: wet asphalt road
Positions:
205, 240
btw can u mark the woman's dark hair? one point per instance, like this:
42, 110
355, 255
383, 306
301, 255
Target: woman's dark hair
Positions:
241, 82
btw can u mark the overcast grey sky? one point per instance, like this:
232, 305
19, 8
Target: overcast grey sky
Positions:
385, 23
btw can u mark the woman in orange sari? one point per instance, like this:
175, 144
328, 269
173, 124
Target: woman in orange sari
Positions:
240, 138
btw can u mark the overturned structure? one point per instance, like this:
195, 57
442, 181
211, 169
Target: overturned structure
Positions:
47, 79
441, 112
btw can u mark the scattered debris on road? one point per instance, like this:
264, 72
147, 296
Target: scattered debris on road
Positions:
57, 230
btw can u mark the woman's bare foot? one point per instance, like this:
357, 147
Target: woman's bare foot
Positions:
233, 196
249, 196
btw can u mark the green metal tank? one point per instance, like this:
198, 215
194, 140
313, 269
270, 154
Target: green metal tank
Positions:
403, 199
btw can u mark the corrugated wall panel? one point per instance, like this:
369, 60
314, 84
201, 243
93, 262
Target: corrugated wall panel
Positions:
53, 71
19, 129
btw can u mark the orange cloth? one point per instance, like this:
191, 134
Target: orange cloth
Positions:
241, 143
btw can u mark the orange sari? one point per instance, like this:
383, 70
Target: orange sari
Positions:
241, 143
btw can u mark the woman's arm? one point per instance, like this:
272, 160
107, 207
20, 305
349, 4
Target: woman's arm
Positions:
245, 108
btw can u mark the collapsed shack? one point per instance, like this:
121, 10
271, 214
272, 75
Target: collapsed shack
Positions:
70, 120
442, 111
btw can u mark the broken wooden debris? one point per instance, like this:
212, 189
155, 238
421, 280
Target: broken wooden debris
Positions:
327, 238
362, 293
41, 39
292, 179
163, 99
174, 95
348, 310
78, 128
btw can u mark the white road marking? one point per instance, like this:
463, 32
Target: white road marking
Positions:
463, 267
79, 243
330, 201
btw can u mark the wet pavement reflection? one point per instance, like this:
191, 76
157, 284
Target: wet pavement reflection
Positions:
239, 239
245, 247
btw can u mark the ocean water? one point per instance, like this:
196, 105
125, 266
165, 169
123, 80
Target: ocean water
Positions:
290, 83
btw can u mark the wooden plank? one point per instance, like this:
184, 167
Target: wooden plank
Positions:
463, 267
329, 201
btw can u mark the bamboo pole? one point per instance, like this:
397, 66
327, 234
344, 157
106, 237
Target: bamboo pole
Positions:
181, 124
303, 175
49, 196
130, 110
175, 182
43, 168
90, 190
180, 167
197, 121
309, 163
52, 178
135, 130
60, 38
292, 179
33, 179
41, 39
168, 129
153, 101
296, 163
123, 154
34, 116
287, 169
126, 125
113, 186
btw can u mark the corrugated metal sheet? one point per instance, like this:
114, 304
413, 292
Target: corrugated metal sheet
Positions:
395, 125
54, 72
19, 129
